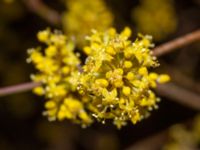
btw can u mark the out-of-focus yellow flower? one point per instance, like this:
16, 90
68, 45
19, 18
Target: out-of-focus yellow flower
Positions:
184, 137
116, 77
155, 17
57, 67
83, 15
196, 128
8, 1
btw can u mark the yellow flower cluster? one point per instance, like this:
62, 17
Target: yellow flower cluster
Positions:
155, 17
184, 137
116, 77
114, 83
84, 15
57, 65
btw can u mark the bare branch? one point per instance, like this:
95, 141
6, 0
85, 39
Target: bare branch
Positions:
181, 79
18, 88
180, 95
38, 7
177, 43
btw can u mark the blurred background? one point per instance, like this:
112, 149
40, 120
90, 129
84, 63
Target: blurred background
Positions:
22, 125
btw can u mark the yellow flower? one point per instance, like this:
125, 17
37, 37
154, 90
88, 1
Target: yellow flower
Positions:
182, 136
109, 96
84, 15
57, 67
155, 17
114, 83
39, 90
116, 77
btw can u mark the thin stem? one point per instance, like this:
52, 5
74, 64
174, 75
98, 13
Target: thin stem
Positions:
181, 79
177, 43
39, 7
179, 94
18, 88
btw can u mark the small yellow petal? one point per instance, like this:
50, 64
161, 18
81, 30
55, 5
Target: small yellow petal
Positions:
128, 64
110, 50
38, 90
61, 115
153, 76
136, 117
130, 76
126, 90
84, 116
120, 71
65, 70
51, 51
87, 50
118, 83
102, 82
112, 32
143, 71
43, 36
52, 112
50, 104
126, 33
163, 78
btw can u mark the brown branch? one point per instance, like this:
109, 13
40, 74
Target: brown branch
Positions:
169, 90
181, 79
177, 43
18, 88
180, 95
38, 7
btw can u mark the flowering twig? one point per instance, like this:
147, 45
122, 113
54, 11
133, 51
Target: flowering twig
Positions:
38, 7
177, 43
170, 90
18, 88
